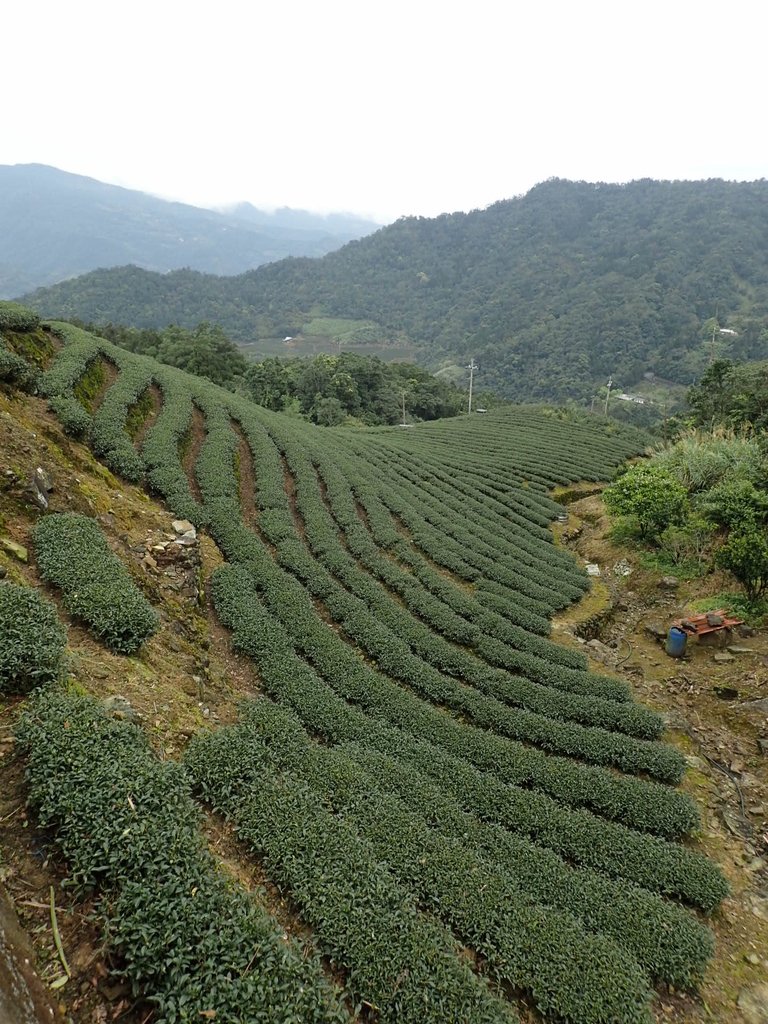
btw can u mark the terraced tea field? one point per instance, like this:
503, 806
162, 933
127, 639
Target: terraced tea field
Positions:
468, 824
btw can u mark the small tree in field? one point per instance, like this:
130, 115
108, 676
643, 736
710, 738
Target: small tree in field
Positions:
745, 554
651, 496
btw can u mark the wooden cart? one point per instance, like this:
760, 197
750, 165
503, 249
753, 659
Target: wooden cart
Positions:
708, 622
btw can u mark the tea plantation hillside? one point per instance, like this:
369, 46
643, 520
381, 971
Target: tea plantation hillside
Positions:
466, 823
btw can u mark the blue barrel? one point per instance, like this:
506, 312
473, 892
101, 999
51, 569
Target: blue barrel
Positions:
677, 641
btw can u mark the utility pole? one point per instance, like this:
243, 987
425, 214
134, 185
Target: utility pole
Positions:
607, 397
402, 395
471, 369
715, 328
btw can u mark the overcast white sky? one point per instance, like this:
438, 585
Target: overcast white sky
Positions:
383, 108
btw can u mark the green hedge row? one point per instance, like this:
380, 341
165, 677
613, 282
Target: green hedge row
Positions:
530, 442
460, 632
523, 945
58, 382
467, 547
524, 546
525, 517
401, 964
107, 431
521, 612
341, 504
525, 609
454, 660
75, 420
544, 670
191, 944
503, 496
499, 806
637, 802
161, 450
79, 351
575, 834
431, 607
322, 532
489, 634
669, 942
645, 805
32, 639
109, 438
73, 554
385, 631
513, 528
382, 633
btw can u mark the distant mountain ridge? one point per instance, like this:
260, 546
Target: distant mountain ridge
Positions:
55, 226
550, 292
346, 224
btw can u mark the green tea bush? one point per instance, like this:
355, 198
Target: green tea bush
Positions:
73, 554
109, 437
525, 947
324, 539
575, 833
161, 448
191, 943
16, 371
32, 639
15, 317
402, 961
394, 590
79, 351
635, 801
59, 380
668, 941
75, 420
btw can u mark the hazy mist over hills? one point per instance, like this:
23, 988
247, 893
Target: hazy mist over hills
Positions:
343, 224
55, 225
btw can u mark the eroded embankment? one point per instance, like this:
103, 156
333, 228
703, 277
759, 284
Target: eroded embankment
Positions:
626, 611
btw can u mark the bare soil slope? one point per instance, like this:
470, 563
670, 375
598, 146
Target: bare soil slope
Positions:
717, 712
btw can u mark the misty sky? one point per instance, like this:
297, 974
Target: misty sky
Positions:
383, 108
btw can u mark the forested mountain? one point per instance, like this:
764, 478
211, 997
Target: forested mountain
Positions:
549, 292
55, 225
